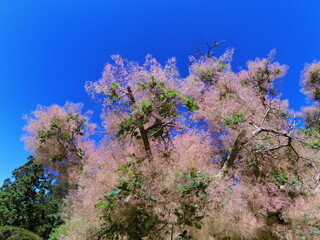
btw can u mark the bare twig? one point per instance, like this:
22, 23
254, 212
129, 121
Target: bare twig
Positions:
209, 52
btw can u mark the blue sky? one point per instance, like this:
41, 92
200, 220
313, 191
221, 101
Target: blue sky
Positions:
48, 49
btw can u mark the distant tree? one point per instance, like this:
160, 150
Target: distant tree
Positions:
31, 200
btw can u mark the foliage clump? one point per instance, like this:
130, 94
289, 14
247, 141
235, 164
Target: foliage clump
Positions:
15, 233
31, 200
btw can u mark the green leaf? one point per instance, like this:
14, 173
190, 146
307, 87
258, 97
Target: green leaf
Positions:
150, 222
189, 102
114, 192
195, 107
195, 184
314, 145
222, 63
55, 125
198, 218
182, 187
42, 134
120, 133
100, 205
132, 173
124, 180
197, 225
257, 148
202, 195
115, 85
281, 177
146, 107
233, 119
311, 223
172, 93
161, 84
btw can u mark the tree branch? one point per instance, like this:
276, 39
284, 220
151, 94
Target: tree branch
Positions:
209, 52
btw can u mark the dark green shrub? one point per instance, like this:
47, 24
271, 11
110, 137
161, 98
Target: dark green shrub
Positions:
15, 233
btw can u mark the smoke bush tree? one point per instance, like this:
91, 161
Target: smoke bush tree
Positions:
217, 154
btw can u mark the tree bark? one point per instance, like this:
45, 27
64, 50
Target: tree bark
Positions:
233, 154
143, 132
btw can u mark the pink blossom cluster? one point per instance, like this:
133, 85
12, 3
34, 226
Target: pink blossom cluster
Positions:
242, 136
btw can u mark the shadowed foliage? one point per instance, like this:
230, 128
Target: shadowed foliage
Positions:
15, 233
31, 200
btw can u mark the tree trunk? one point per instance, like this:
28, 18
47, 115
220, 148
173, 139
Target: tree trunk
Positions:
143, 131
